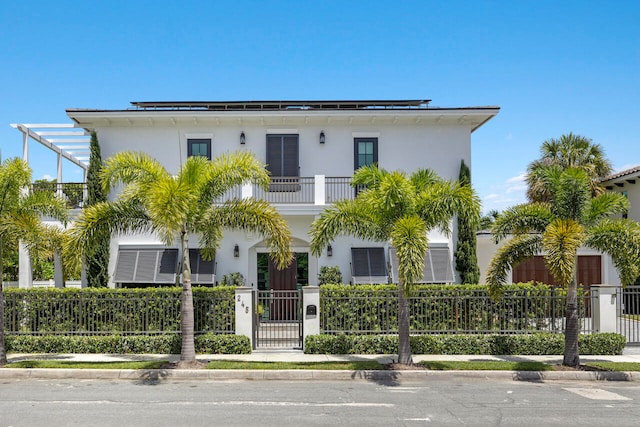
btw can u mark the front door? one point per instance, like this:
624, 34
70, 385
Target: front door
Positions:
283, 280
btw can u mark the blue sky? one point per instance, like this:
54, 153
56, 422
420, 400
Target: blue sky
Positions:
553, 67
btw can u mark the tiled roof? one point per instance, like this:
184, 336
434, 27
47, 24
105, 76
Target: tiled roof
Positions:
621, 174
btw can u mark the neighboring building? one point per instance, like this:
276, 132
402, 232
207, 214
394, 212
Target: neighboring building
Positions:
626, 182
593, 267
311, 149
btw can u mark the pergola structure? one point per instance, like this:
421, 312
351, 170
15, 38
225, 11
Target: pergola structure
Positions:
68, 142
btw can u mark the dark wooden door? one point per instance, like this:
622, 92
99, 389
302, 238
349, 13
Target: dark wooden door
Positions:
283, 303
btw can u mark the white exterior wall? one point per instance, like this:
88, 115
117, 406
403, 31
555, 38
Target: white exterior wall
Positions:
408, 148
633, 195
402, 146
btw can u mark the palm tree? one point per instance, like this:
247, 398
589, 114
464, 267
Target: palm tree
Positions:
558, 228
398, 209
556, 155
20, 213
175, 206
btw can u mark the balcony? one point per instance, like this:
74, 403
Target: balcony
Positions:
318, 190
75, 193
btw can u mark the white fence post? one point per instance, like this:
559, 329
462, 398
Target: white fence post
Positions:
310, 311
244, 312
604, 314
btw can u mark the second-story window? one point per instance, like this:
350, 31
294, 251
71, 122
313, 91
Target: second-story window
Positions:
283, 155
199, 147
365, 152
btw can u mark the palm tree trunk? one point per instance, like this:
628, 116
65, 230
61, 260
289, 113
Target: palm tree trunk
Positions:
188, 351
3, 350
571, 356
404, 345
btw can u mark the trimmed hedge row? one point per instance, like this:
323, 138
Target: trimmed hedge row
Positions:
434, 308
131, 344
528, 344
115, 311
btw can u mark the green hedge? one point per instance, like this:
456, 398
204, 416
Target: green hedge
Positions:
528, 344
115, 311
435, 308
130, 344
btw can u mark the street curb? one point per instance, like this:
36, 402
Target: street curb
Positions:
158, 375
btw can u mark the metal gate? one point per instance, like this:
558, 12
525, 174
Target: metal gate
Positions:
628, 311
277, 319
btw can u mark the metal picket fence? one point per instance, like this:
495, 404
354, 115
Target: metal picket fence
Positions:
442, 312
126, 313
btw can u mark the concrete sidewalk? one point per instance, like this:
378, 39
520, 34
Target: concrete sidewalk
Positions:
155, 375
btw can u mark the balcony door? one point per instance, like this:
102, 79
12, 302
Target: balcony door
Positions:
283, 155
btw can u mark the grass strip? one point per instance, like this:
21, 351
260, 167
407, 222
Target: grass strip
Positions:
68, 364
615, 366
329, 366
489, 365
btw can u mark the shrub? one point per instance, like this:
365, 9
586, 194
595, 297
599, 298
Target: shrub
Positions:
130, 344
329, 275
232, 279
542, 343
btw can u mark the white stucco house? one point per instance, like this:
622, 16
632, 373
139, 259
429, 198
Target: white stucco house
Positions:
311, 149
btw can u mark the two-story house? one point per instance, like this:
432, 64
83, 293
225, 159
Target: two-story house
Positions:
311, 149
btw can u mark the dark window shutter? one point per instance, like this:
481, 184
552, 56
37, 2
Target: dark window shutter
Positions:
146, 266
126, 265
377, 262
274, 155
283, 155
202, 271
368, 262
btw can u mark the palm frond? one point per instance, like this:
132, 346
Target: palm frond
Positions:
438, 203
254, 216
561, 241
128, 167
604, 206
409, 238
572, 194
347, 217
522, 219
620, 238
369, 176
105, 218
423, 179
232, 169
512, 253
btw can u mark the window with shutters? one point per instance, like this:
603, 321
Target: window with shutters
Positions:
283, 162
203, 271
146, 266
199, 147
368, 263
438, 265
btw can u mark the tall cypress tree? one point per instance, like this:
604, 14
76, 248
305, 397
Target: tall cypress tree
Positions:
97, 258
466, 259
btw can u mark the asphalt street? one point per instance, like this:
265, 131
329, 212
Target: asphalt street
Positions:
434, 401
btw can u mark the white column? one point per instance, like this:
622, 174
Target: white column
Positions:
58, 277
25, 278
59, 192
319, 190
247, 191
244, 312
604, 305
310, 311
25, 146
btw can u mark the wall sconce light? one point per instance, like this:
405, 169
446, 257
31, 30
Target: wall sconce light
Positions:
243, 139
236, 251
329, 250
321, 137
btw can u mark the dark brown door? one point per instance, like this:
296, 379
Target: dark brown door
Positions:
283, 302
